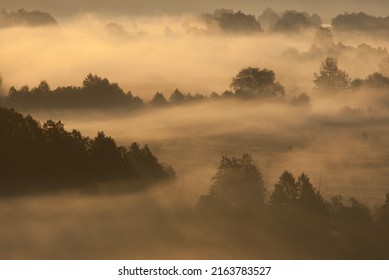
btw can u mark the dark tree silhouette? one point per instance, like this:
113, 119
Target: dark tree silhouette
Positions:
361, 22
292, 195
48, 158
236, 187
231, 22
25, 18
253, 82
330, 78
159, 100
177, 97
377, 80
96, 92
239, 23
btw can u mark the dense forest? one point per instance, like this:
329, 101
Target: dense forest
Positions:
37, 158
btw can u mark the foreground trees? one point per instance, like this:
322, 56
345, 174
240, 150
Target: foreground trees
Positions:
48, 158
295, 215
236, 187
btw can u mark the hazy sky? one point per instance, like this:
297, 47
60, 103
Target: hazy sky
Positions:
327, 8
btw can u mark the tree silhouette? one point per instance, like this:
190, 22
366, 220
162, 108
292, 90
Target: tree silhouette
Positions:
25, 18
48, 158
159, 100
96, 92
377, 80
360, 22
230, 22
330, 78
253, 82
177, 97
236, 187
292, 195
293, 21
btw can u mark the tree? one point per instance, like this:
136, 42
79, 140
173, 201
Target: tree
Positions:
177, 97
290, 194
230, 22
42, 89
239, 23
286, 191
159, 100
330, 78
377, 80
293, 21
236, 187
252, 82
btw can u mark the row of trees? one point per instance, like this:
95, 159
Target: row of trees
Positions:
248, 83
361, 22
36, 158
25, 18
291, 21
295, 213
97, 92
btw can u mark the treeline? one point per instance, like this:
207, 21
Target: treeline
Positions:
361, 22
292, 21
250, 83
25, 18
99, 93
37, 158
96, 92
295, 214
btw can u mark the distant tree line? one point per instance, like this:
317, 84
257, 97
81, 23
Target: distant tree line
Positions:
96, 92
295, 213
232, 22
250, 83
361, 22
25, 18
291, 21
38, 158
99, 93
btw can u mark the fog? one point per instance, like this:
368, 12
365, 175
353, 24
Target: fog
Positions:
161, 53
339, 140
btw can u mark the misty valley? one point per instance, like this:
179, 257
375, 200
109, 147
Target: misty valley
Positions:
214, 135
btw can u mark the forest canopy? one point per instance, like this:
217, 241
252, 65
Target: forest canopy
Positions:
52, 159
